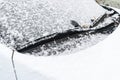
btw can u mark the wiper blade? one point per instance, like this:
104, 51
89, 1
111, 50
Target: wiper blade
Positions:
107, 29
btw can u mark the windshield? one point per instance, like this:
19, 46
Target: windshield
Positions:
23, 21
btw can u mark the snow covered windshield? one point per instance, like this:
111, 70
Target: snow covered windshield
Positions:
22, 21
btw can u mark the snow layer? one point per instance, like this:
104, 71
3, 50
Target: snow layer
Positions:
6, 71
23, 72
22, 21
100, 62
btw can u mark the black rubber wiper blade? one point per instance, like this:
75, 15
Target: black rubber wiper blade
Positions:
70, 33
